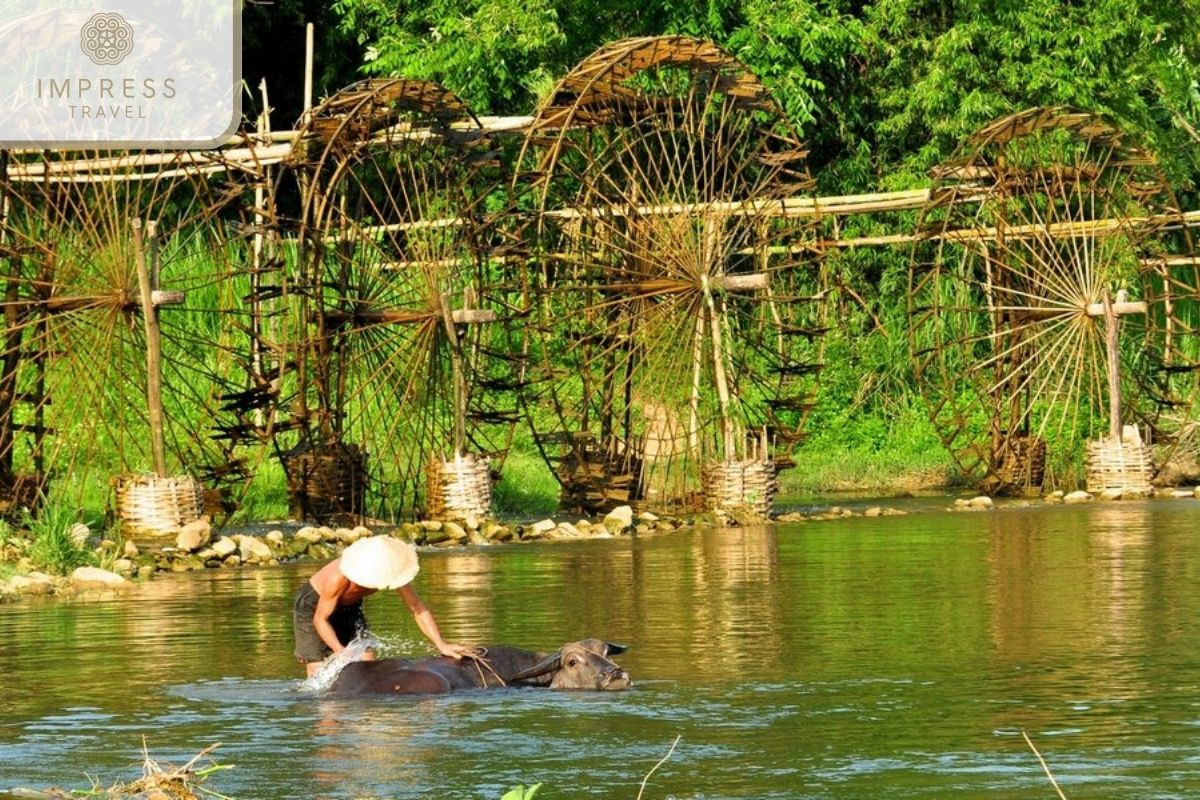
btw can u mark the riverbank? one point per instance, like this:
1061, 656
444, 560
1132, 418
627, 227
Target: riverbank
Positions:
114, 565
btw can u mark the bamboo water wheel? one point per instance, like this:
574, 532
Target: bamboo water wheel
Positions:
1054, 299
678, 315
409, 358
124, 276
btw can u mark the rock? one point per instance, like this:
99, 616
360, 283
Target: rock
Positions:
123, 566
619, 519
194, 535
894, 512
1196, 492
224, 547
274, 537
471, 522
435, 536
454, 531
207, 554
982, 503
430, 524
541, 528
665, 525
30, 584
566, 530
232, 561
647, 516
361, 532
309, 535
1054, 497
345, 535
96, 578
145, 572
79, 533
1179, 494
130, 550
1112, 494
496, 532
1077, 497
475, 536
582, 524
791, 516
255, 550
873, 511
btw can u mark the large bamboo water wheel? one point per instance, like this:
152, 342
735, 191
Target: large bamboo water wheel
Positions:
1054, 300
406, 397
678, 313
124, 276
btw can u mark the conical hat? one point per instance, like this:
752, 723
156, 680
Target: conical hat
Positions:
380, 562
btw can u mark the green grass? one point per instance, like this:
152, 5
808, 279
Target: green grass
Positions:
53, 548
527, 488
892, 451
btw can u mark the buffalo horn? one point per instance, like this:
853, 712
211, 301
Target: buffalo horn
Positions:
611, 649
548, 664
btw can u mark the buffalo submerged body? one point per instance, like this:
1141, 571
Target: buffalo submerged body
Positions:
581, 666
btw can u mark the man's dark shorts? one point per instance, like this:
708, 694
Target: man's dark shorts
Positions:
347, 622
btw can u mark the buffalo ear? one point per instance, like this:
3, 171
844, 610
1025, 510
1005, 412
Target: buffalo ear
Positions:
611, 649
549, 664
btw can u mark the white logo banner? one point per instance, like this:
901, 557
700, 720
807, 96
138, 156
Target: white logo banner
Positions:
119, 73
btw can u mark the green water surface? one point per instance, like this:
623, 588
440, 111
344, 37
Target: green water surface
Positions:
895, 657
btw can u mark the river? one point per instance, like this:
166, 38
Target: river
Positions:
893, 657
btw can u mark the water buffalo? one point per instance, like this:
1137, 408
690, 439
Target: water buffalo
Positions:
577, 665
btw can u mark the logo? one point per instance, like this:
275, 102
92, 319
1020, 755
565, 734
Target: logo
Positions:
106, 38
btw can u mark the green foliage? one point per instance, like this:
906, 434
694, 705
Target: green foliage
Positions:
527, 486
54, 548
522, 792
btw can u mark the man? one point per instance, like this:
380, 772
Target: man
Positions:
327, 613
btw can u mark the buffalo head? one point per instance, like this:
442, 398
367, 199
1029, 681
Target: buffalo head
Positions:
581, 665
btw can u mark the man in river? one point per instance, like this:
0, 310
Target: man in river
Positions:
327, 613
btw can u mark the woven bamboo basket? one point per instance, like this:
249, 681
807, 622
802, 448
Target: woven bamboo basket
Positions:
740, 485
458, 488
153, 509
1022, 463
1124, 464
326, 481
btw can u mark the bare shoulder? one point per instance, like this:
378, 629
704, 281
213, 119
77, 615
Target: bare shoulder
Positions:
329, 580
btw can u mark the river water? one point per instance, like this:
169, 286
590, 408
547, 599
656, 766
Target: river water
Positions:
897, 657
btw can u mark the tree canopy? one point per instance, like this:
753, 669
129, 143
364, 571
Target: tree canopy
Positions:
882, 91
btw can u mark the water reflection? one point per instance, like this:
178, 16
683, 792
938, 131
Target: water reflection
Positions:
893, 657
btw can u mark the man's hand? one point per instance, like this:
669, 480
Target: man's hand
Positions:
456, 651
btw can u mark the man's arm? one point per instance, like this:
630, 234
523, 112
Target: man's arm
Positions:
326, 605
428, 625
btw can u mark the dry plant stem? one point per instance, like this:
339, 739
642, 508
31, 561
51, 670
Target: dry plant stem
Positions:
663, 760
1045, 768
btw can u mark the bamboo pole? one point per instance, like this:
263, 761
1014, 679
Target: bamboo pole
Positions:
460, 381
1112, 329
309, 56
153, 340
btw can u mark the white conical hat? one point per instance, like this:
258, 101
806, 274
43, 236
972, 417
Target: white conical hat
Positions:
380, 562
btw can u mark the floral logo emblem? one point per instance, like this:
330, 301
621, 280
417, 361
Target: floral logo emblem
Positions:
106, 38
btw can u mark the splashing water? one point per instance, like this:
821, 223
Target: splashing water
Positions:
362, 646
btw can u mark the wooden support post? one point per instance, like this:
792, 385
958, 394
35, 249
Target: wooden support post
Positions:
460, 381
694, 405
153, 338
309, 56
14, 330
1112, 329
